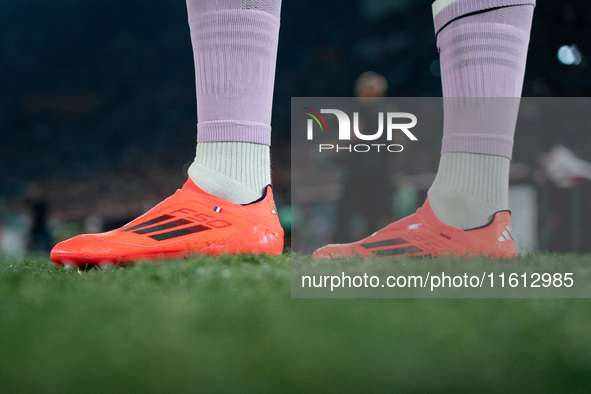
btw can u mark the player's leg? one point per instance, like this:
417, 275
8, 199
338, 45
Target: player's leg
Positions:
235, 48
483, 46
482, 58
226, 206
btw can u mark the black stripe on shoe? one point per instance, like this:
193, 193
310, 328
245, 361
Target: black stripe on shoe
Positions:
179, 233
388, 242
165, 226
149, 222
397, 251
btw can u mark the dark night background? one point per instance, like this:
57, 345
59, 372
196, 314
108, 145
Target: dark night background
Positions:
97, 103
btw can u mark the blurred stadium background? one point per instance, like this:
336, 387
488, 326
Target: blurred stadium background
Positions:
98, 111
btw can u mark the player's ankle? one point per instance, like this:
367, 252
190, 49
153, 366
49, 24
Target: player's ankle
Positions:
234, 171
222, 186
460, 210
469, 189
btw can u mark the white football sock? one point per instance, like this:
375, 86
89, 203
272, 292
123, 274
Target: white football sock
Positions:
234, 171
469, 189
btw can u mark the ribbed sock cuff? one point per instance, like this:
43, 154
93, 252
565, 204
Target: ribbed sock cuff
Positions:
446, 11
234, 131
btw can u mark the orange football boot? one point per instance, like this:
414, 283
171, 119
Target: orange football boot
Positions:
188, 222
423, 234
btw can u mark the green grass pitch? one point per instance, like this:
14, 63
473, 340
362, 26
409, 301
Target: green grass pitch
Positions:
230, 324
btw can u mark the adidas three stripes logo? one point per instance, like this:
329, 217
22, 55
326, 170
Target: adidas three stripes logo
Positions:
507, 235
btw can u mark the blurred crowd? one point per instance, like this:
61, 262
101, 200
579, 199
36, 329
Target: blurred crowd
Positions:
98, 115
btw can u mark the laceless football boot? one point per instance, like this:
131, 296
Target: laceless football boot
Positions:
423, 234
188, 222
